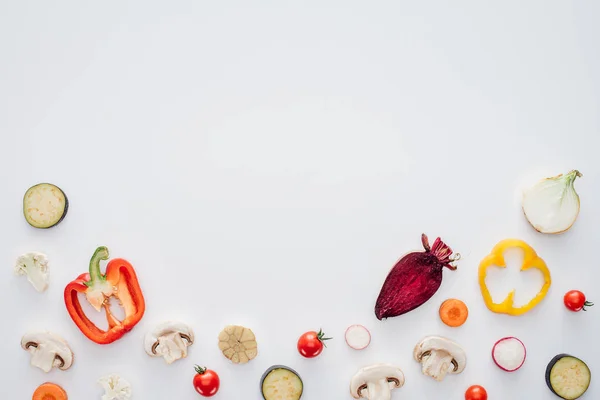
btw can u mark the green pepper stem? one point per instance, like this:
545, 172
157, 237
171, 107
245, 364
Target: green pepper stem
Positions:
100, 254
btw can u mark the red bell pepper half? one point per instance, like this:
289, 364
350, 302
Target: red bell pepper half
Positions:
119, 281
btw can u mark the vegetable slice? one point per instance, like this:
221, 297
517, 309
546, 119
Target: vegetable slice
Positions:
509, 354
552, 205
49, 391
414, 279
281, 383
568, 377
454, 312
45, 205
238, 344
358, 337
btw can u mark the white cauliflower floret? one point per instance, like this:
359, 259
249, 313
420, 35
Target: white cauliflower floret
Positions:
115, 388
35, 266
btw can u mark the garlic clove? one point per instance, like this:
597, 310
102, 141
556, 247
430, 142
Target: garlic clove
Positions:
552, 205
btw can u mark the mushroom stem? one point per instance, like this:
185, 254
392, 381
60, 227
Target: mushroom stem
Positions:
437, 364
379, 390
43, 359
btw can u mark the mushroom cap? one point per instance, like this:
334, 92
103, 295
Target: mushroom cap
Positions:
166, 328
375, 372
51, 342
438, 343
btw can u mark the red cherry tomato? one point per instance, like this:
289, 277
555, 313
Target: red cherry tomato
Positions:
311, 343
575, 301
476, 392
206, 381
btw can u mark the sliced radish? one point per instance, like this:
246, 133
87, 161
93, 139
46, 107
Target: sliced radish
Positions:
509, 354
358, 337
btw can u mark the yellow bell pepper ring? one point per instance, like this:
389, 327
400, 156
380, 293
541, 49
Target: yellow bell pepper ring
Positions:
496, 258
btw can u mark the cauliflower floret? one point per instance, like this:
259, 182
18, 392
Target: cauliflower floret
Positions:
115, 388
35, 266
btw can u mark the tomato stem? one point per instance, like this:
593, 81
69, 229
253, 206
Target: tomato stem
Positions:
322, 338
587, 304
199, 369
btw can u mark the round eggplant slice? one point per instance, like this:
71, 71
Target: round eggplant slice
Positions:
281, 383
45, 205
568, 377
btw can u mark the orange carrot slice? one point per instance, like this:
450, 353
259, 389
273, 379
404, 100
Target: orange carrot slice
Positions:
454, 312
49, 391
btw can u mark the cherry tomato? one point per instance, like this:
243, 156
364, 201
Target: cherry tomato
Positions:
476, 392
206, 381
575, 301
311, 343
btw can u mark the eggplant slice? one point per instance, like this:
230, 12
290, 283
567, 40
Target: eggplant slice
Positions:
45, 205
281, 383
568, 377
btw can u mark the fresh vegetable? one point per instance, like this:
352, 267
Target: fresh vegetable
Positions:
206, 381
476, 392
35, 266
49, 391
531, 260
552, 205
509, 354
281, 383
358, 337
453, 312
45, 205
311, 343
115, 388
238, 344
414, 279
169, 340
576, 301
440, 356
48, 351
568, 377
120, 282
376, 382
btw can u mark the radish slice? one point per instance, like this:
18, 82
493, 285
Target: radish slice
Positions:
358, 337
509, 354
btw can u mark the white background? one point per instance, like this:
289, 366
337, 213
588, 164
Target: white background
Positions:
266, 163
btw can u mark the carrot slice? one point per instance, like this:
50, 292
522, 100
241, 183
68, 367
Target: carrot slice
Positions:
454, 312
49, 391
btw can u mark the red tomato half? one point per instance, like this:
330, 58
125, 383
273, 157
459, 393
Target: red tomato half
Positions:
206, 382
476, 392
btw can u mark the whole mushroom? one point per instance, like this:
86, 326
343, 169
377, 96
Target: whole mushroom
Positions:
376, 382
47, 351
169, 340
440, 356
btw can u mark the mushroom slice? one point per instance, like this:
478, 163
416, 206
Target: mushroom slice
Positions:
376, 382
169, 340
47, 351
440, 356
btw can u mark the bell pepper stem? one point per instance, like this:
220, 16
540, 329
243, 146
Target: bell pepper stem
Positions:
96, 276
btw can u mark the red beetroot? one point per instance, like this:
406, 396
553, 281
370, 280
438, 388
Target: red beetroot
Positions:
414, 279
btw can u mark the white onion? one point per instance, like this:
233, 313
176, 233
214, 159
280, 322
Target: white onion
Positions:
552, 205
